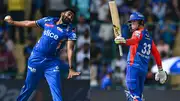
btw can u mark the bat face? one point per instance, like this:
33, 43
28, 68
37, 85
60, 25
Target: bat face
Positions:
115, 21
115, 18
117, 29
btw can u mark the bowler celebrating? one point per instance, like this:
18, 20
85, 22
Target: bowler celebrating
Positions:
44, 60
141, 47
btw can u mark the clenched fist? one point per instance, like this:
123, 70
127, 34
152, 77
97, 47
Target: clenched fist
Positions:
119, 40
8, 19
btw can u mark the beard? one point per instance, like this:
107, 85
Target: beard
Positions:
66, 20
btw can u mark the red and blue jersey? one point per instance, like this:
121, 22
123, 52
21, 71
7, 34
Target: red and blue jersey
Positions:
53, 36
141, 47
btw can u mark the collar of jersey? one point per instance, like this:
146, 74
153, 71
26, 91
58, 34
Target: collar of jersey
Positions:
63, 25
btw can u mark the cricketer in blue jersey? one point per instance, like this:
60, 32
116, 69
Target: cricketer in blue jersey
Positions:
141, 47
44, 60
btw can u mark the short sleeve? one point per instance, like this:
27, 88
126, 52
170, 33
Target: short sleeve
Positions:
72, 35
41, 22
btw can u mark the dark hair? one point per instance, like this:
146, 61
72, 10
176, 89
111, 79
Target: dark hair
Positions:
141, 22
69, 9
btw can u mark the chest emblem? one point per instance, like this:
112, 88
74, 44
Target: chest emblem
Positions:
59, 29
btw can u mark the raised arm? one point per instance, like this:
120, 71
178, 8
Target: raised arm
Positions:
26, 23
134, 40
136, 37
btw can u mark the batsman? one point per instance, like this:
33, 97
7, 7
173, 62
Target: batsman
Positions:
141, 47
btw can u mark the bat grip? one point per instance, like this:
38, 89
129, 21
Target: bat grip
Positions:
120, 50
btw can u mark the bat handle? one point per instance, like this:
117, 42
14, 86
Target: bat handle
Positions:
120, 50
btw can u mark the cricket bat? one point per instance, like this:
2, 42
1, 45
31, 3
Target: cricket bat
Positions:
115, 22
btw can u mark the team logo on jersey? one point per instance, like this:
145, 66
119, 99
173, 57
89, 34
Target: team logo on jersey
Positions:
73, 36
59, 29
56, 69
32, 69
137, 33
49, 25
147, 35
50, 34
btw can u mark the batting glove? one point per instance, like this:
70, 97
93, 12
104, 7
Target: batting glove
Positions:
119, 40
161, 76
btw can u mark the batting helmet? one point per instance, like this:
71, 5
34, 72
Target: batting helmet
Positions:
136, 16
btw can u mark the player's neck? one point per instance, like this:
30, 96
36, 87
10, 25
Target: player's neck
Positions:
59, 22
141, 27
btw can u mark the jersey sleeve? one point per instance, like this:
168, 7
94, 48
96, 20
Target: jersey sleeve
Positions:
72, 35
136, 37
156, 55
41, 22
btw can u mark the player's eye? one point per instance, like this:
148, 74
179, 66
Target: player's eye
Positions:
69, 14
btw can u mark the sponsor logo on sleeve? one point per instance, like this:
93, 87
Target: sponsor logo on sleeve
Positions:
56, 69
137, 34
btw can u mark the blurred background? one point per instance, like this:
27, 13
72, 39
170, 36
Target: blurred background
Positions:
16, 43
162, 19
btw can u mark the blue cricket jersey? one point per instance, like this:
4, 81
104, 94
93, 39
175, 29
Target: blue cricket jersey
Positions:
53, 37
139, 54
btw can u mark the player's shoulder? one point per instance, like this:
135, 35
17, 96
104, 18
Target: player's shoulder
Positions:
137, 33
49, 18
140, 31
72, 32
71, 28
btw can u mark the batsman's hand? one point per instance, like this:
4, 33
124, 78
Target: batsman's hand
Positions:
8, 19
161, 76
72, 73
119, 40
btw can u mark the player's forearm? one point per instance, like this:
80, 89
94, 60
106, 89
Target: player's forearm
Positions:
70, 48
24, 23
70, 56
131, 42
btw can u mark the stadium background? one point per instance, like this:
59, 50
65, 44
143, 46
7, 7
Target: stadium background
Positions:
16, 45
